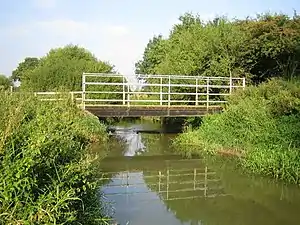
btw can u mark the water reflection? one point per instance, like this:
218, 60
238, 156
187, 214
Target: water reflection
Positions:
139, 196
132, 140
154, 186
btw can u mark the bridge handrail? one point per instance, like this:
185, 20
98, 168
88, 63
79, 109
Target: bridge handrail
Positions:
126, 92
200, 85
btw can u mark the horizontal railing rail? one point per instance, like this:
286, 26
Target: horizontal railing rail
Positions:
193, 184
99, 89
163, 90
57, 96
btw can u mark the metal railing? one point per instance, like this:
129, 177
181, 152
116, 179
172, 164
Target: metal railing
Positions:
161, 90
195, 183
75, 96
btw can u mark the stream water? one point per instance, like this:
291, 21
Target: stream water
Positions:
149, 184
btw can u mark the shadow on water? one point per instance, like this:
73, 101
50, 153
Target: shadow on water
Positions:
152, 185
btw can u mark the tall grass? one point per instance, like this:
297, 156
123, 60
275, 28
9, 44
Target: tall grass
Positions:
260, 124
47, 173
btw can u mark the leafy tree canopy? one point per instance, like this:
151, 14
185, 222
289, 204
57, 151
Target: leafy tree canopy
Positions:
62, 68
29, 64
260, 48
4, 83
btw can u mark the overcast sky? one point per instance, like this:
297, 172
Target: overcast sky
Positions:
114, 30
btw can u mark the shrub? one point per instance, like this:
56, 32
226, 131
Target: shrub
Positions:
262, 124
47, 171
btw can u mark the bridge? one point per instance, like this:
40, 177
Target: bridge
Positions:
111, 95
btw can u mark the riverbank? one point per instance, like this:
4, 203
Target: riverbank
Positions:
259, 125
48, 174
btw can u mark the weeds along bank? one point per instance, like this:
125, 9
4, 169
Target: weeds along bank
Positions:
260, 125
47, 174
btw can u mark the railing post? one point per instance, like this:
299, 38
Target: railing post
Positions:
207, 93
168, 174
161, 96
83, 91
230, 85
196, 91
72, 96
195, 173
244, 83
124, 95
159, 180
205, 182
169, 92
128, 95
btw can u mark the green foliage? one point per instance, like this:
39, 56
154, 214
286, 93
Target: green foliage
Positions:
25, 67
261, 124
62, 68
4, 83
153, 55
47, 173
272, 48
258, 48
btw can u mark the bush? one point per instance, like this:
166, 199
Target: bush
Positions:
261, 124
47, 172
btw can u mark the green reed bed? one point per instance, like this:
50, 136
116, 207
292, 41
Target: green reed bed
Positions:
47, 173
260, 125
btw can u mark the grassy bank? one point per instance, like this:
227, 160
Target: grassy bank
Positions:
47, 174
260, 125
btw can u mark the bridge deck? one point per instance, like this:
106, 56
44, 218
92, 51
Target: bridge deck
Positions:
161, 111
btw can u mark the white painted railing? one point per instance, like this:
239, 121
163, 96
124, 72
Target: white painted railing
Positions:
57, 96
159, 90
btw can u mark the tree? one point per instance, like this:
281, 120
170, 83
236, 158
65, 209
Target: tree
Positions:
29, 64
4, 83
272, 47
260, 48
153, 55
62, 68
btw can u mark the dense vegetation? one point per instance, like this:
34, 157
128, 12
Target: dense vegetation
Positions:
60, 69
259, 48
47, 174
4, 83
261, 125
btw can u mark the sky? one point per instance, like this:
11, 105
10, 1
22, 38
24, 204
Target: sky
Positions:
116, 31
